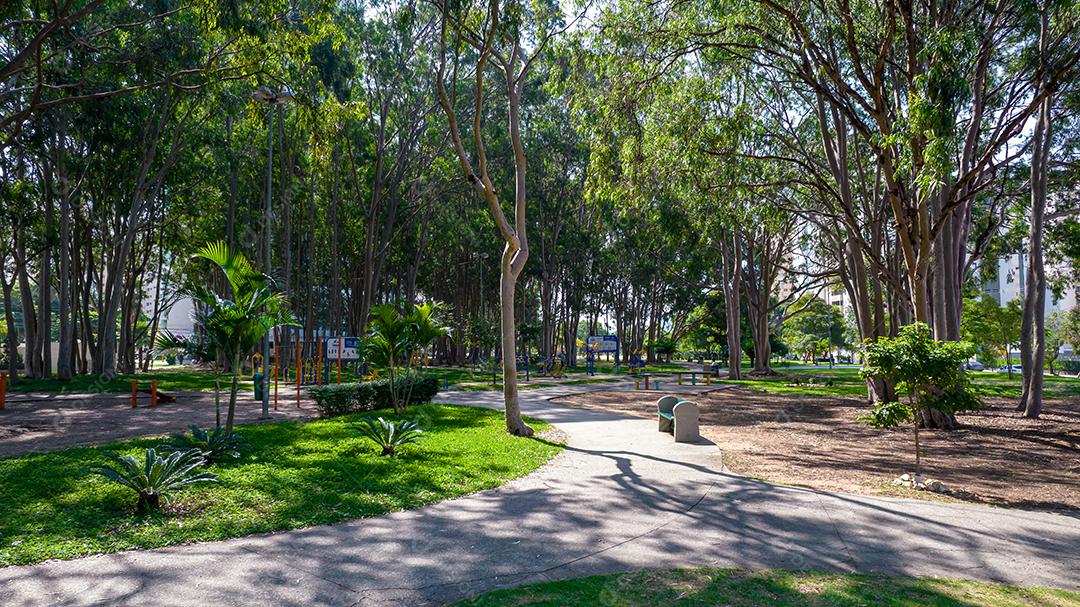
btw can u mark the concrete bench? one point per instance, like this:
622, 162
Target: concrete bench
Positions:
665, 415
678, 417
686, 415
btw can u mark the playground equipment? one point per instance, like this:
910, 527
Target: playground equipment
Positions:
591, 352
523, 362
636, 364
256, 364
553, 367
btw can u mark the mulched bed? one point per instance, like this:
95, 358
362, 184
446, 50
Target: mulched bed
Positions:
995, 457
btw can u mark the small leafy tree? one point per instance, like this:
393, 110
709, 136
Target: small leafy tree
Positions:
928, 373
991, 327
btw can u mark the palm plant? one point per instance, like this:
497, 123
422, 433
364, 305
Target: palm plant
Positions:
425, 326
156, 477
389, 435
395, 338
237, 325
388, 343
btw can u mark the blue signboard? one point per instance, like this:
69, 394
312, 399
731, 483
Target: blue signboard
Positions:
604, 343
350, 348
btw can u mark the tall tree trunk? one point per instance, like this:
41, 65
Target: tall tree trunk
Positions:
1033, 328
731, 281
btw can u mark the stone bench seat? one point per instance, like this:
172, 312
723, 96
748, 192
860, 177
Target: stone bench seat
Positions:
679, 418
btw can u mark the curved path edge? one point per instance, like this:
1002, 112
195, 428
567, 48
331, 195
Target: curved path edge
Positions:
621, 496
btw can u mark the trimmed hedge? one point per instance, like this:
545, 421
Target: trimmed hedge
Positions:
339, 399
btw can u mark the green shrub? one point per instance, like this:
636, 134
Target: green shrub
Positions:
419, 389
339, 399
156, 476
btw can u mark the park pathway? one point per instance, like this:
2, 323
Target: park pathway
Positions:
621, 496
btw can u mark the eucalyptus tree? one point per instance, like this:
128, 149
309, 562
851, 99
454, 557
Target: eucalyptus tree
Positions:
1058, 24
505, 37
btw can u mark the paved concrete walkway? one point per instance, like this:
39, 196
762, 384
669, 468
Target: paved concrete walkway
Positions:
621, 496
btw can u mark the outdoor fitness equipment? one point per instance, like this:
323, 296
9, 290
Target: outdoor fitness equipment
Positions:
592, 351
553, 367
636, 365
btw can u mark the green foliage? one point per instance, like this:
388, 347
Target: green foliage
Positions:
235, 326
194, 347
339, 399
155, 477
390, 435
990, 327
816, 330
214, 444
396, 339
929, 371
419, 388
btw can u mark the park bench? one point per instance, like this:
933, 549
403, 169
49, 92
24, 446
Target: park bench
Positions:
678, 417
693, 376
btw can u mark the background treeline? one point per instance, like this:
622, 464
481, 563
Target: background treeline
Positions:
695, 169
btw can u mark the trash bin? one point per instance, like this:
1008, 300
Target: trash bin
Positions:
258, 386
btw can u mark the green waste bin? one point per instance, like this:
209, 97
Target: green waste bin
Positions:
258, 386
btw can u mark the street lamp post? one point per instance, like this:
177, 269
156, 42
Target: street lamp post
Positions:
271, 98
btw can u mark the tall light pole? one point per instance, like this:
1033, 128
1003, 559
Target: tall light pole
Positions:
271, 98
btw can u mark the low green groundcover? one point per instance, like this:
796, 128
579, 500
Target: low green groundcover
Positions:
732, 588
294, 475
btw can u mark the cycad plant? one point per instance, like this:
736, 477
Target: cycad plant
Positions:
155, 477
238, 324
389, 435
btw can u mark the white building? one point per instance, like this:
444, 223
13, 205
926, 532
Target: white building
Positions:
1010, 284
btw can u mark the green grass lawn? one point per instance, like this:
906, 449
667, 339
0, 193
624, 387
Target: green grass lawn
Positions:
713, 587
846, 381
295, 475
169, 378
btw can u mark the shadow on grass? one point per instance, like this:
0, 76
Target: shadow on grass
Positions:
701, 587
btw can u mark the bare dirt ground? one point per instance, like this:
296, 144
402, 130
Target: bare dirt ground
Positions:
47, 423
995, 457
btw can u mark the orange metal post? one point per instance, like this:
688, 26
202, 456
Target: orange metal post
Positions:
134, 394
3, 389
277, 357
340, 345
153, 392
299, 371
